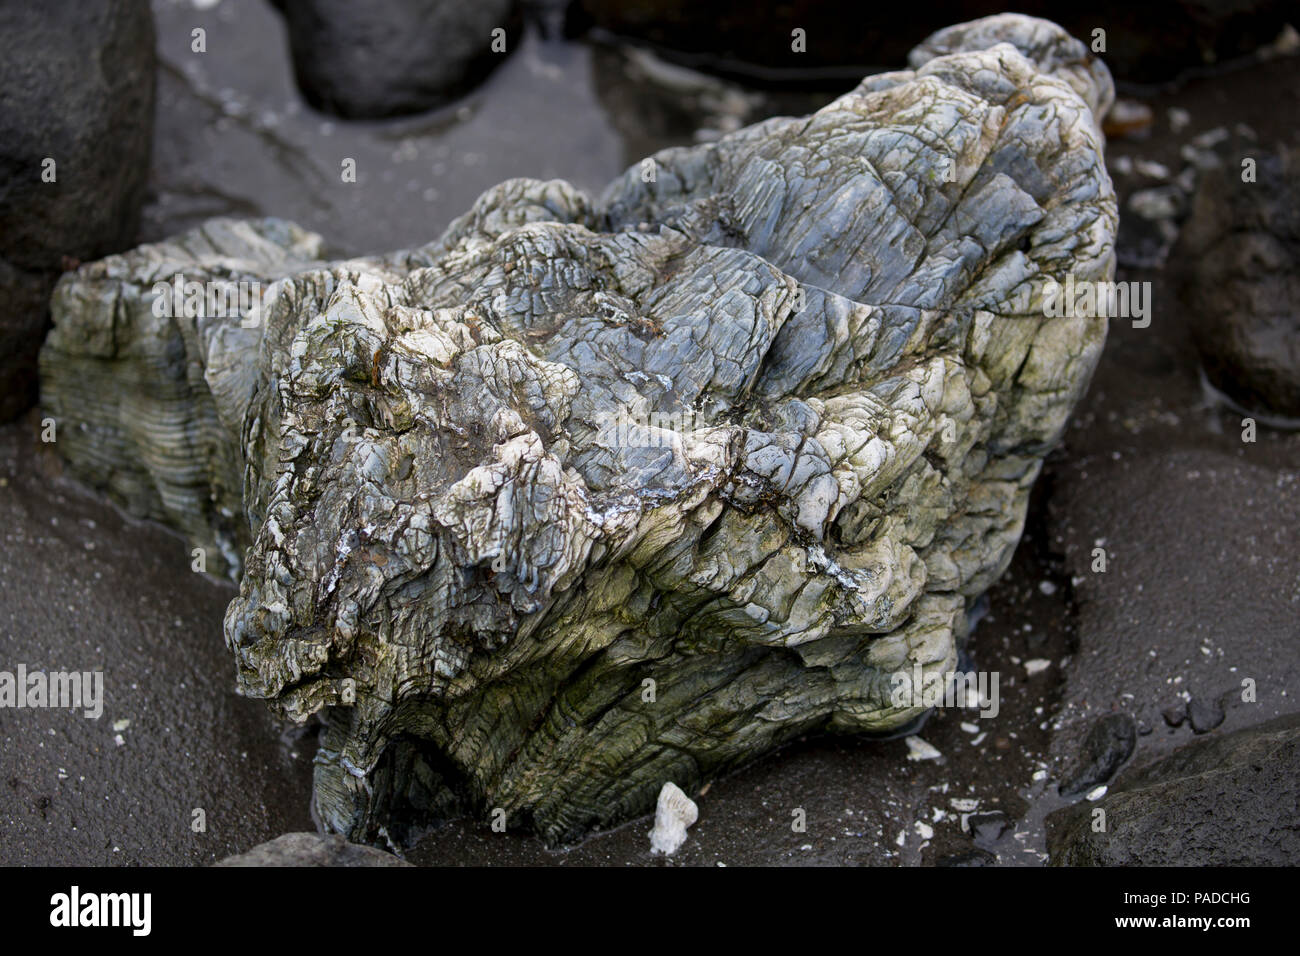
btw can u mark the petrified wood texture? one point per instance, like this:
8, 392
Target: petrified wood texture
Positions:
590, 495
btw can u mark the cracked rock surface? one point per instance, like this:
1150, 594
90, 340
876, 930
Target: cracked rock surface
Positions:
592, 494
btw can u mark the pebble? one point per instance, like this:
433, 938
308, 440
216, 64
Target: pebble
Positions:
1127, 117
1157, 203
1151, 169
1204, 715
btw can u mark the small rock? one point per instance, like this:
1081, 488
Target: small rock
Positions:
987, 827
1204, 715
1127, 118
1109, 743
1210, 138
1158, 202
1151, 169
1286, 44
1174, 716
312, 849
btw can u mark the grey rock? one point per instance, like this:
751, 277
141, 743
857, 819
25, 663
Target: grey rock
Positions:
77, 87
1204, 714
1225, 800
593, 494
388, 57
988, 827
24, 316
1109, 743
1238, 276
312, 849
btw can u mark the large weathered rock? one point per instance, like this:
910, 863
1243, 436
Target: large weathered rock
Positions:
587, 496
1227, 800
1237, 267
387, 57
76, 88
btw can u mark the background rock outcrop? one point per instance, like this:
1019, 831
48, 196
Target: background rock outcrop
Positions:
388, 57
1150, 42
591, 494
1227, 800
77, 89
1237, 269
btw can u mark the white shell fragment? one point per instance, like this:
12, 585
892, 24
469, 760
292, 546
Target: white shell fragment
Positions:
673, 814
918, 749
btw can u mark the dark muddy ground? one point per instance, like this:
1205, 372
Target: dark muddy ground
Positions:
1202, 587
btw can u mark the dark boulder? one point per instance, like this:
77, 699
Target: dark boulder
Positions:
1237, 266
76, 87
390, 57
1225, 800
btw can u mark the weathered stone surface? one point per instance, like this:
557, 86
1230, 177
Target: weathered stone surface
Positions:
76, 87
1225, 800
1237, 268
312, 849
387, 57
149, 401
589, 495
1052, 49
